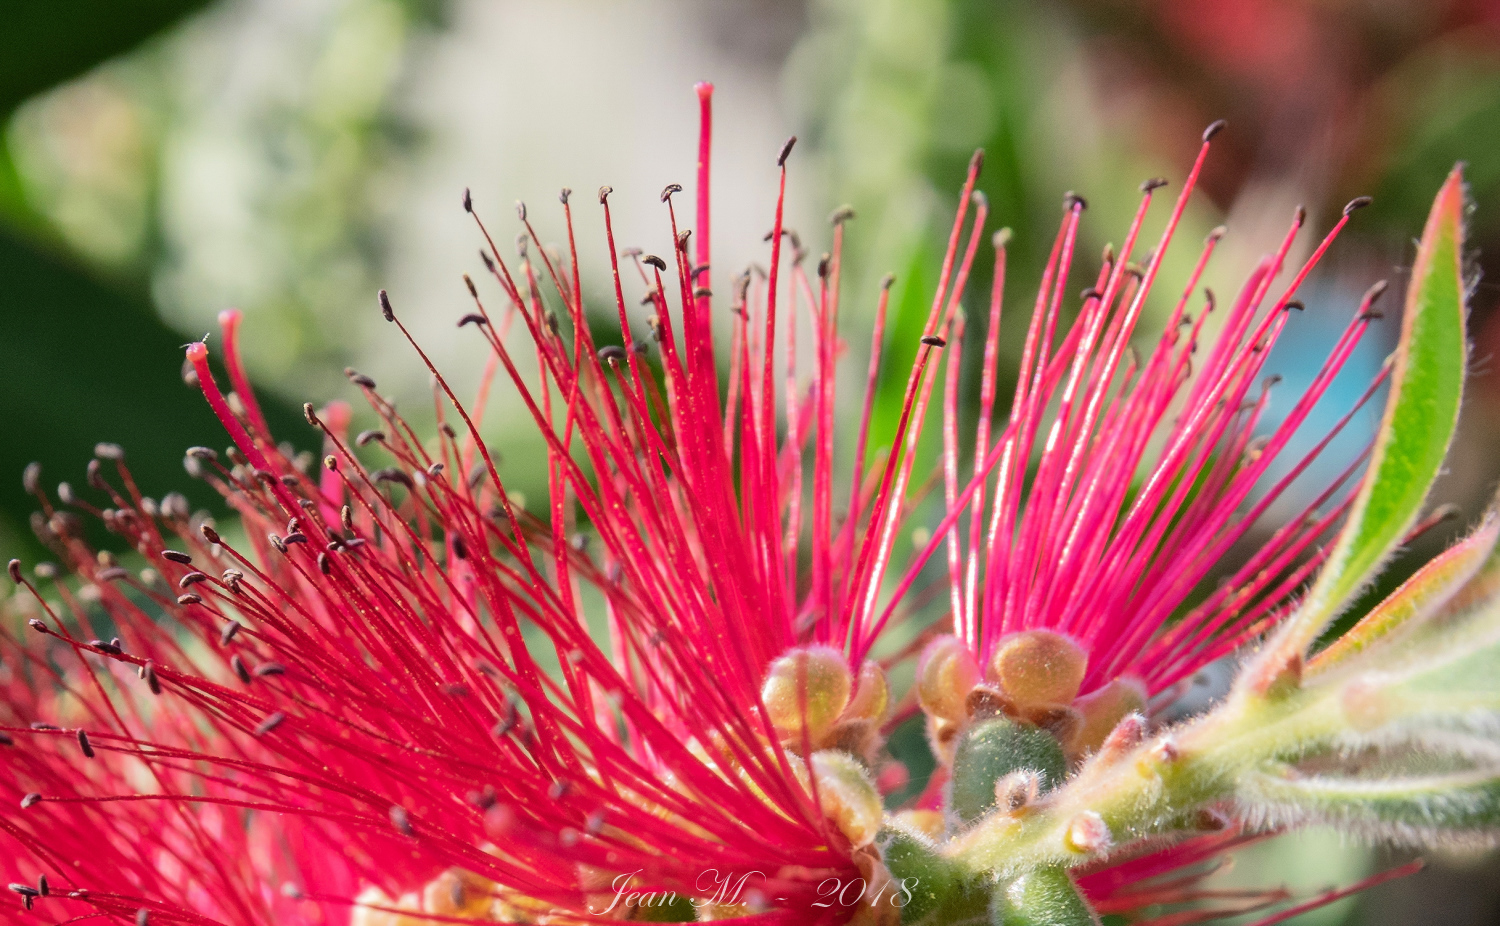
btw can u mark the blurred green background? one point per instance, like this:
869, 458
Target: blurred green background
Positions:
164, 159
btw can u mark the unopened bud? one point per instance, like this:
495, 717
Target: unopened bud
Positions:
847, 796
1088, 832
1104, 708
1043, 897
1038, 666
993, 750
806, 689
946, 673
872, 694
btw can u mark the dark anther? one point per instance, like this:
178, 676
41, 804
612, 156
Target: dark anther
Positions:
1090, 293
296, 537
309, 414
702, 292
229, 632
346, 518
604, 192
1376, 290
469, 282
25, 890
786, 150
887, 281
143, 917
42, 886
841, 215
552, 322
238, 665
1214, 128
1299, 216
1370, 315
269, 669
385, 306
520, 210
823, 263
489, 262
207, 454
15, 571
5, 740
110, 649
365, 437
392, 474
1270, 381
976, 161
933, 340
33, 623
177, 557
1155, 183
1294, 304
108, 451
148, 672
655, 261
188, 599
83, 744
325, 566
271, 722
563, 194
192, 578
611, 352
682, 240
31, 478
401, 821
468, 201
669, 189
1358, 202
1216, 234
559, 789
30, 800
473, 318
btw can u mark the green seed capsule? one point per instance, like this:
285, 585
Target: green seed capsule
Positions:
1045, 897
994, 749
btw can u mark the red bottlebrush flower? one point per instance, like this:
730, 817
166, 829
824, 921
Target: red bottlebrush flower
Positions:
397, 680
394, 695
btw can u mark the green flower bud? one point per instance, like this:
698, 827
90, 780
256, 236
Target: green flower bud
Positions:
1044, 897
992, 750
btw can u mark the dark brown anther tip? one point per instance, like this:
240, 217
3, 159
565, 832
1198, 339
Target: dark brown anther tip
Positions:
841, 215
14, 567
469, 282
309, 414
487, 260
604, 192
1371, 315
932, 340
148, 672
271, 722
229, 632
468, 201
30, 800
1272, 380
520, 210
563, 195
1089, 293
655, 261
84, 745
473, 318
37, 625
786, 150
702, 292
669, 189
1213, 129
610, 353
1300, 216
1357, 203
976, 161
238, 665
1072, 199
887, 281
177, 557
1296, 304
1155, 183
142, 917
385, 306
1218, 233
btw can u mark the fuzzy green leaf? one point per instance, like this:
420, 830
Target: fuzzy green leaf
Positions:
1420, 415
1463, 804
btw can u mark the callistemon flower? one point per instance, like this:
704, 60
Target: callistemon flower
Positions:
396, 695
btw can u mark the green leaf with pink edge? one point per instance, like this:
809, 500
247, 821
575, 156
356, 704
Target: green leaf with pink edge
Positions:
1433, 588
1420, 416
